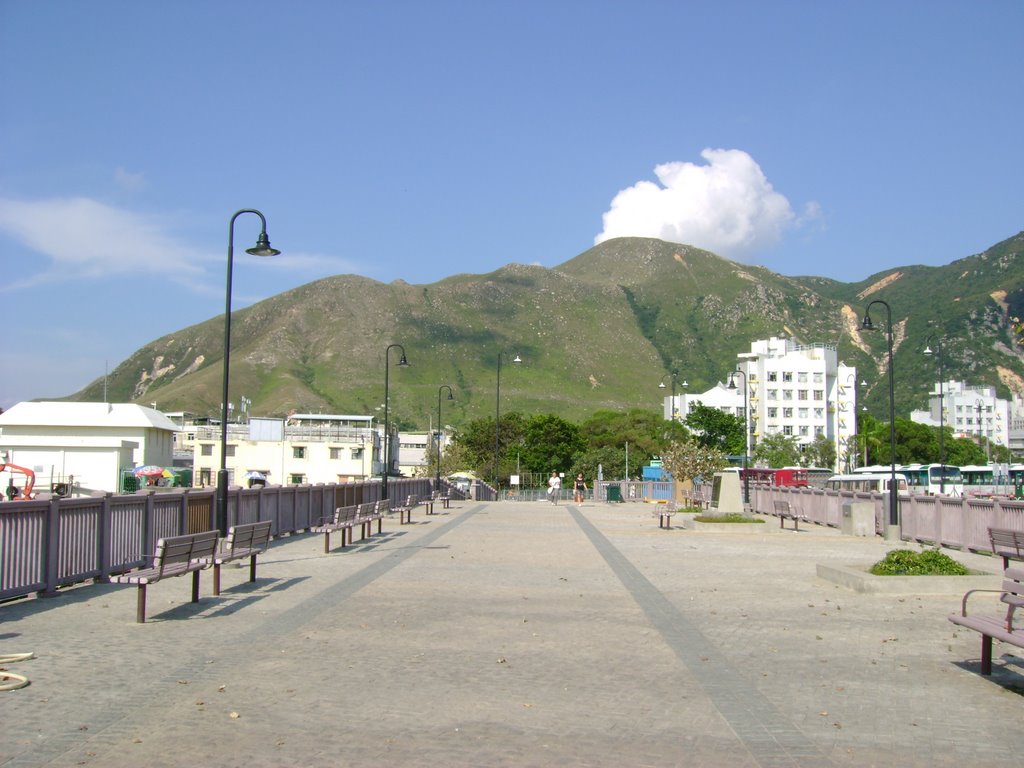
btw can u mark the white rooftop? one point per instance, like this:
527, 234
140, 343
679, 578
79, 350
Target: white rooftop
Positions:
61, 414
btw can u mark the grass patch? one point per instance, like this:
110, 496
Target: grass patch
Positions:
732, 517
906, 562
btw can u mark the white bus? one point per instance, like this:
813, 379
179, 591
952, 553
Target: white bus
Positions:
866, 482
934, 479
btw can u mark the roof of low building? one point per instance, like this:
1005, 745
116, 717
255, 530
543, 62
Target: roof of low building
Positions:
65, 414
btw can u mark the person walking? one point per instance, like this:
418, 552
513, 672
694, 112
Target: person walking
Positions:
579, 488
554, 486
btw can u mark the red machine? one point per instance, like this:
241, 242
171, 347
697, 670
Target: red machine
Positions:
12, 490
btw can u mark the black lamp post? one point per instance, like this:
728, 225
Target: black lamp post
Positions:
942, 409
866, 324
451, 396
746, 430
497, 416
675, 376
402, 363
262, 248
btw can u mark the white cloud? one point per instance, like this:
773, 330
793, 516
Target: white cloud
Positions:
131, 182
727, 206
86, 239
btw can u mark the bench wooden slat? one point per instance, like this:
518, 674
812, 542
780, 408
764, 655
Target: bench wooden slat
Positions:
246, 540
1003, 629
1007, 543
174, 556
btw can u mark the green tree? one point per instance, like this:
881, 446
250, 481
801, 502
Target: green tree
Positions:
477, 439
777, 450
820, 453
550, 443
714, 428
646, 433
610, 459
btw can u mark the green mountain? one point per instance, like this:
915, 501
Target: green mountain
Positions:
599, 331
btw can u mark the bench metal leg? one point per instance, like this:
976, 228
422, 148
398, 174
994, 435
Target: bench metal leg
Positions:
986, 654
327, 541
140, 607
195, 586
252, 568
216, 578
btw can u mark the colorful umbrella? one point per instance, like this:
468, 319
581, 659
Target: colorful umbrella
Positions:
254, 475
148, 470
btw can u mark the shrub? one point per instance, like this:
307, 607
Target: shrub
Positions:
732, 517
906, 562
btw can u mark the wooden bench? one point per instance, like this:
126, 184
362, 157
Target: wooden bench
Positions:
405, 510
444, 498
1012, 594
368, 512
344, 520
243, 541
785, 512
664, 513
1007, 543
174, 556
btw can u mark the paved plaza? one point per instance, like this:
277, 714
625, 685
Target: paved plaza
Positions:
515, 634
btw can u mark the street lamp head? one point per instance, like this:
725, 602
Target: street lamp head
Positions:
661, 385
403, 363
450, 395
517, 359
262, 247
684, 384
866, 323
927, 350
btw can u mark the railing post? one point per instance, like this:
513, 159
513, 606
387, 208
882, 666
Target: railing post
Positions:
51, 548
104, 546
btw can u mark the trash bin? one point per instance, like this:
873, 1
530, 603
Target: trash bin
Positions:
614, 493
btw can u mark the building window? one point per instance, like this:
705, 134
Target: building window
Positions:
296, 479
787, 375
773, 394
818, 377
801, 377
787, 429
801, 394
804, 431
819, 431
206, 449
299, 452
335, 453
819, 413
357, 454
787, 413
802, 413
819, 394
787, 394
772, 376
773, 413
229, 450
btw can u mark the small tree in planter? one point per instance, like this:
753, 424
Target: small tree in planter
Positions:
686, 460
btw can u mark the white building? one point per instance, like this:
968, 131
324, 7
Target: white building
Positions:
793, 389
969, 411
83, 444
414, 453
306, 448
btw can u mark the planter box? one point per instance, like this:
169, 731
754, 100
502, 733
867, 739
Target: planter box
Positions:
857, 578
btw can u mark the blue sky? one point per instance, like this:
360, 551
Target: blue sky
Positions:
417, 139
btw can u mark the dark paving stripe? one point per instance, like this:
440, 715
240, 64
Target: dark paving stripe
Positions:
769, 736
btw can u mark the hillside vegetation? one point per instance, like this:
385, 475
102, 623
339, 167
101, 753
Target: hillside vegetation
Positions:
597, 332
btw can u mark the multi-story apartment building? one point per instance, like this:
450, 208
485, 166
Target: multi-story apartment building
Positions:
969, 410
304, 448
794, 389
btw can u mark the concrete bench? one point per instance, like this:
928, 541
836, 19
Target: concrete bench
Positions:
243, 541
344, 520
785, 512
1012, 594
174, 556
1007, 543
